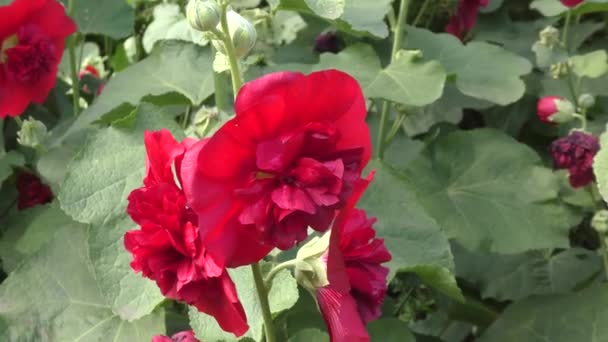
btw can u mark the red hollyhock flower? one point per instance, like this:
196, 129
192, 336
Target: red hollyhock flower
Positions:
184, 336
357, 281
571, 3
575, 153
32, 39
31, 191
288, 159
465, 18
171, 247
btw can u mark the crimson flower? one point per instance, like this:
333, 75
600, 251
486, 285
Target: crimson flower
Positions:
31, 191
547, 107
287, 161
357, 281
571, 3
575, 153
32, 39
171, 247
184, 336
465, 18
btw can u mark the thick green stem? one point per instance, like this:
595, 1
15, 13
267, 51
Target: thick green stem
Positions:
264, 305
386, 107
567, 30
73, 67
421, 12
235, 71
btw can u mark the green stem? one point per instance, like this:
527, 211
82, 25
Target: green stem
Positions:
566, 30
73, 67
604, 251
571, 87
421, 12
278, 268
582, 119
18, 121
264, 305
386, 107
235, 72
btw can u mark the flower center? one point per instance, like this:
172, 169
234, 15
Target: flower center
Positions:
28, 56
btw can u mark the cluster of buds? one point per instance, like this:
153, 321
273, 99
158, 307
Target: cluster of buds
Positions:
206, 16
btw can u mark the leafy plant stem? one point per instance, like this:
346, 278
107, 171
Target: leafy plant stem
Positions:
262, 291
235, 72
582, 119
386, 107
278, 268
566, 30
396, 124
421, 12
18, 121
73, 67
186, 118
571, 87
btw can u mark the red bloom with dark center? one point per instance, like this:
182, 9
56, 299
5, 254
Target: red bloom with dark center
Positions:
171, 247
575, 153
571, 3
357, 281
465, 18
31, 191
328, 42
288, 159
32, 39
184, 336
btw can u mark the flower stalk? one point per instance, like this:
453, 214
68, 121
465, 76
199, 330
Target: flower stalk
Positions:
73, 67
262, 291
235, 71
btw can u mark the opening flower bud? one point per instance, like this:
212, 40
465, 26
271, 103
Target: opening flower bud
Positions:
243, 35
549, 36
33, 134
586, 101
554, 109
311, 265
203, 15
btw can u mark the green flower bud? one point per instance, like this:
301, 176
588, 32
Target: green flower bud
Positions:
586, 101
600, 221
33, 134
311, 267
242, 32
549, 36
203, 15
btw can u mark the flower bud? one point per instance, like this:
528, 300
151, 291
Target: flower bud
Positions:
600, 221
549, 36
203, 15
586, 101
33, 134
243, 35
311, 266
554, 109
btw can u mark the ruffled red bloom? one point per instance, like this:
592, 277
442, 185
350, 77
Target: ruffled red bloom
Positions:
288, 159
575, 153
357, 281
32, 39
547, 107
31, 191
328, 42
571, 3
171, 247
465, 18
184, 336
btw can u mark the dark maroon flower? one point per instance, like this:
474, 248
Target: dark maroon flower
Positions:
465, 18
571, 3
184, 336
31, 191
328, 42
575, 153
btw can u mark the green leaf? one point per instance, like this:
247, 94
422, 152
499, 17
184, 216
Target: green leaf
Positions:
7, 162
592, 65
282, 296
417, 244
97, 184
114, 18
514, 277
308, 335
551, 8
560, 318
390, 330
170, 23
482, 70
600, 167
329, 9
53, 296
173, 67
491, 193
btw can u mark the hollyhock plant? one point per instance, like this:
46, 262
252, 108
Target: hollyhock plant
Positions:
183, 336
575, 153
357, 279
32, 39
287, 161
465, 18
571, 3
31, 191
170, 246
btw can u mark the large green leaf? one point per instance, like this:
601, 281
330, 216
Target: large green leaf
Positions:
491, 193
414, 239
114, 18
390, 330
99, 179
514, 277
173, 67
561, 318
53, 296
600, 167
282, 296
482, 70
